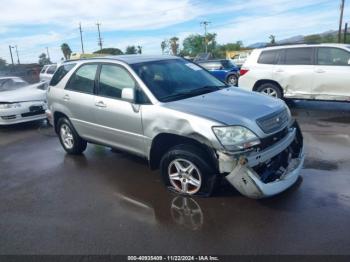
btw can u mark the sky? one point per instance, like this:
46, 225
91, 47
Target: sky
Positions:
36, 24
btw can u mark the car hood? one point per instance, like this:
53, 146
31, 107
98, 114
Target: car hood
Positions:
230, 106
28, 93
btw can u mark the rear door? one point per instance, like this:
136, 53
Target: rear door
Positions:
119, 121
295, 72
78, 99
332, 74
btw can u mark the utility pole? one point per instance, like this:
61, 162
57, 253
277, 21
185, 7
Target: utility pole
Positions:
99, 36
345, 32
47, 52
205, 24
17, 55
81, 38
341, 19
10, 47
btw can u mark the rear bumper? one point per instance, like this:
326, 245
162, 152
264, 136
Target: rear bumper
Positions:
271, 171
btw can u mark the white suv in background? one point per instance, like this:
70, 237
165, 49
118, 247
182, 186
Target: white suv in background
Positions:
47, 72
320, 71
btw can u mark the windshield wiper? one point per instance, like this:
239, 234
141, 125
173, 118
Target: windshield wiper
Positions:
194, 92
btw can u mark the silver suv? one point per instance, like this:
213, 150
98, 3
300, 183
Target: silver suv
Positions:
193, 127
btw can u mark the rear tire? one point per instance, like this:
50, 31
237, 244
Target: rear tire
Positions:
69, 138
232, 80
186, 171
270, 89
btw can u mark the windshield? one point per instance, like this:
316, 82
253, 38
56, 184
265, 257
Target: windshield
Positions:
176, 79
12, 84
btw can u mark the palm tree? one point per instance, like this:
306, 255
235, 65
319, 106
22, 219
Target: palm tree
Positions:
139, 49
174, 45
163, 46
272, 39
66, 50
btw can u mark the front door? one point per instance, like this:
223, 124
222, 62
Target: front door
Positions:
119, 122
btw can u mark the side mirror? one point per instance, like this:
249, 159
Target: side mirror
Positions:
128, 94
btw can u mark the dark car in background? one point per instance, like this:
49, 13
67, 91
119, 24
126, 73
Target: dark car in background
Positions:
223, 69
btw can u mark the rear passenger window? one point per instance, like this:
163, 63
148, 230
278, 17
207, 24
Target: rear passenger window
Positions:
83, 80
113, 79
268, 57
299, 56
60, 73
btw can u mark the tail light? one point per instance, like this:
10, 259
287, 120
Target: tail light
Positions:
243, 71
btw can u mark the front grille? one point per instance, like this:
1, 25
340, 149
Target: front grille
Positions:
9, 117
273, 122
35, 113
271, 140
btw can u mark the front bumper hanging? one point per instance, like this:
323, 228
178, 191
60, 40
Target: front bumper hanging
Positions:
271, 171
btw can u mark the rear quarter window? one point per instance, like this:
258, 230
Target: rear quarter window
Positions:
269, 57
61, 72
51, 70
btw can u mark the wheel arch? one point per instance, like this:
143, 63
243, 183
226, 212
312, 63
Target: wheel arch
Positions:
164, 141
56, 116
266, 81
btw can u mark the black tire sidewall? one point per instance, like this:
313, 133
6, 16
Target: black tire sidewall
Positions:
196, 157
232, 76
270, 85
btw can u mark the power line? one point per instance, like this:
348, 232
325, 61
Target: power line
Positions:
342, 4
205, 24
81, 38
99, 36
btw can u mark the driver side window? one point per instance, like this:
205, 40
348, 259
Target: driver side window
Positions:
113, 79
333, 56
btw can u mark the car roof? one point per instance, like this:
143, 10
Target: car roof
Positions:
212, 60
9, 77
129, 59
304, 45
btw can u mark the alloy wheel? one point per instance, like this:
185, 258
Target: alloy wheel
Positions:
184, 176
67, 136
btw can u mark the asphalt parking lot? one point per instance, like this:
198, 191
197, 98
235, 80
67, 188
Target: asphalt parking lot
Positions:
106, 202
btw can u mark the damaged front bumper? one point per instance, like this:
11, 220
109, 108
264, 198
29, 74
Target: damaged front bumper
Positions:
268, 172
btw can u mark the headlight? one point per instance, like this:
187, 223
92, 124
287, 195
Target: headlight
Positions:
9, 105
235, 137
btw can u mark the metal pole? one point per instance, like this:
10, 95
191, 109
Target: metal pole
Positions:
99, 36
48, 55
341, 19
17, 55
345, 32
81, 38
10, 47
205, 24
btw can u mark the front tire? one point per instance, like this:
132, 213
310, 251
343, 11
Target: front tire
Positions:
186, 171
270, 89
69, 138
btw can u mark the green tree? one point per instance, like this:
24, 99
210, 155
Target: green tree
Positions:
130, 50
139, 49
66, 50
313, 39
174, 45
2, 63
109, 51
164, 45
272, 39
43, 60
193, 45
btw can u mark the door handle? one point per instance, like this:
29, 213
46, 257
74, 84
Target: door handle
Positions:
66, 98
100, 104
320, 71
